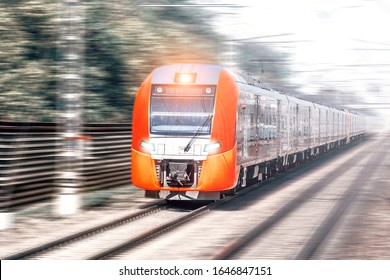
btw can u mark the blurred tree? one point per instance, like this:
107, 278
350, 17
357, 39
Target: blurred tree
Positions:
124, 41
261, 61
27, 60
106, 97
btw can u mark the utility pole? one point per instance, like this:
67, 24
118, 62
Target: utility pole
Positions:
70, 91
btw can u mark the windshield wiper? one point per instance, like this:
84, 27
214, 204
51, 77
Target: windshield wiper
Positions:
198, 131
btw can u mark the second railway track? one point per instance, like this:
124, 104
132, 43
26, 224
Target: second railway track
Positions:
300, 228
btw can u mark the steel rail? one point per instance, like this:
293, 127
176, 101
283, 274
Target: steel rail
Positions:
152, 233
322, 232
84, 233
236, 246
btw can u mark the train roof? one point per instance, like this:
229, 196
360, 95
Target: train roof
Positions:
248, 83
209, 73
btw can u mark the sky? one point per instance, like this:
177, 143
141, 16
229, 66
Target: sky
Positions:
344, 45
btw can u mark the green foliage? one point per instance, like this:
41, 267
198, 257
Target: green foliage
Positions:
123, 42
27, 60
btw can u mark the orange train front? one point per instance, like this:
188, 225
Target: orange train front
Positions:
201, 131
184, 124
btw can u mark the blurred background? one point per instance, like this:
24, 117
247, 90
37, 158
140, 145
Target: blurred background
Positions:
333, 52
336, 52
70, 71
122, 42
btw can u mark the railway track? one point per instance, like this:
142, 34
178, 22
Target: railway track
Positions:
115, 239
153, 232
111, 238
102, 241
51, 245
260, 233
321, 234
269, 187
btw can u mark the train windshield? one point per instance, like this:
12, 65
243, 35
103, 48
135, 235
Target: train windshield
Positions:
181, 110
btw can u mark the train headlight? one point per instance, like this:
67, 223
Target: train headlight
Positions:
185, 78
147, 146
211, 147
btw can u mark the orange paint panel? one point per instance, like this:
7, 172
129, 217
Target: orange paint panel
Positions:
218, 172
141, 115
144, 171
224, 123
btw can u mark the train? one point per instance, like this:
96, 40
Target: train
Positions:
201, 132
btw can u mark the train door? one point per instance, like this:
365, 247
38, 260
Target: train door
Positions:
314, 125
333, 126
257, 128
309, 130
245, 124
327, 126
278, 127
297, 127
240, 131
319, 126
348, 127
338, 126
293, 112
